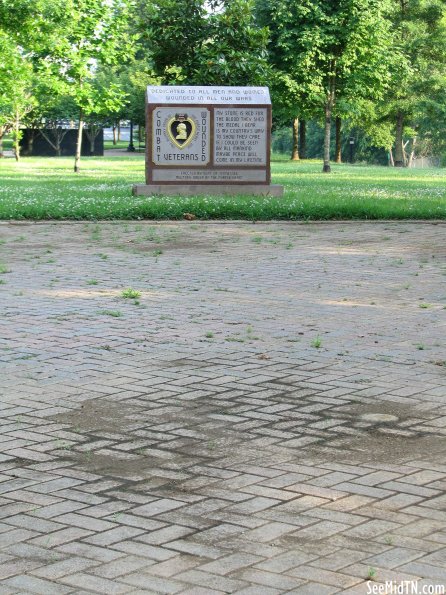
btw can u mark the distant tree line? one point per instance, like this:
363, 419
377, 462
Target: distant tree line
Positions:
374, 70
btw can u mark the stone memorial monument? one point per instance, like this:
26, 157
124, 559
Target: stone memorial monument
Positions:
208, 140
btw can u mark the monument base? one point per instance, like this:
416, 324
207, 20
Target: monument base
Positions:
213, 189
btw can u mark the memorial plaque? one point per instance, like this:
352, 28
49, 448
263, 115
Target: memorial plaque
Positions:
203, 140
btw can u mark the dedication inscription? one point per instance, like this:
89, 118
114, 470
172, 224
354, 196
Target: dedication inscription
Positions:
208, 140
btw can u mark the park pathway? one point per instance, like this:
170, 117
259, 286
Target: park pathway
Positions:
268, 415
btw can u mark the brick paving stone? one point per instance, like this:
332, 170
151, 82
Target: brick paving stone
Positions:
31, 584
254, 590
230, 563
31, 552
122, 566
159, 585
174, 565
437, 558
95, 584
60, 537
139, 454
209, 580
89, 551
17, 567
138, 548
361, 571
201, 591
64, 567
339, 559
393, 558
269, 579
326, 577
285, 561
314, 589
113, 535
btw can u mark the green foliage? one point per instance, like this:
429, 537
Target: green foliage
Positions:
130, 293
328, 55
49, 56
235, 53
417, 87
367, 61
216, 43
16, 90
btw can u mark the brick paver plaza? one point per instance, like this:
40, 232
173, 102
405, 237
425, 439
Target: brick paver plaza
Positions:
267, 417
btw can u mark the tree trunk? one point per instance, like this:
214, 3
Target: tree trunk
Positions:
31, 142
77, 159
391, 161
329, 104
2, 134
92, 139
327, 137
405, 160
303, 139
140, 134
412, 152
115, 138
338, 157
119, 130
17, 137
60, 135
399, 155
295, 151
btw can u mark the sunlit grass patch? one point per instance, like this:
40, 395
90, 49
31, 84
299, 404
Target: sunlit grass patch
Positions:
47, 188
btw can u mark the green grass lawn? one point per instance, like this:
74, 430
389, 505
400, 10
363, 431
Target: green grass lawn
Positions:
47, 188
7, 143
121, 144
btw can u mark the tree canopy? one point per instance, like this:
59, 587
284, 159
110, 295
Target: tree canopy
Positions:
377, 67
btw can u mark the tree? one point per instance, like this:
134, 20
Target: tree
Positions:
24, 24
93, 32
16, 94
204, 43
66, 40
332, 50
420, 32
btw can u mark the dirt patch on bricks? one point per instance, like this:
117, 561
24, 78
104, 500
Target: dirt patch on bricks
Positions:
399, 410
99, 414
378, 447
134, 468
